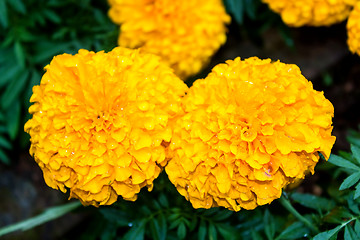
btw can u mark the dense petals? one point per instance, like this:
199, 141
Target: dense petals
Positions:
184, 33
249, 128
353, 29
299, 13
100, 121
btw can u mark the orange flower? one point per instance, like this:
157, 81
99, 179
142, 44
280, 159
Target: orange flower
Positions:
250, 128
297, 13
353, 30
184, 33
100, 121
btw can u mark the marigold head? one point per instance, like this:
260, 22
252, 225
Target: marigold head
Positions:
249, 128
184, 33
100, 121
297, 13
353, 30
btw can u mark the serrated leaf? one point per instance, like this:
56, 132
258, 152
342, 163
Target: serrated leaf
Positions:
337, 215
202, 230
137, 231
350, 181
341, 162
48, 215
269, 225
353, 206
3, 14
18, 5
212, 232
4, 158
349, 233
312, 201
328, 234
181, 231
296, 230
14, 89
356, 152
357, 227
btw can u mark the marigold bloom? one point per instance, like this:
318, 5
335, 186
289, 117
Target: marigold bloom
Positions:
100, 121
353, 29
184, 33
249, 128
297, 13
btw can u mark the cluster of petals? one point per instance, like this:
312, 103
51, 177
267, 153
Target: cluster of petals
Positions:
353, 29
184, 33
299, 13
100, 123
249, 128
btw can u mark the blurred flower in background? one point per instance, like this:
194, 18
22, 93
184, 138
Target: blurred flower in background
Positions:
297, 13
100, 121
353, 29
184, 33
250, 128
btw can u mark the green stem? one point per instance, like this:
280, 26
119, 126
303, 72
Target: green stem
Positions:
286, 203
48, 215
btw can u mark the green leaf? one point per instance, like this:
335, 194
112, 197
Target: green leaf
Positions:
222, 215
255, 235
162, 226
337, 215
48, 215
19, 54
52, 16
18, 5
353, 206
227, 231
155, 229
297, 230
328, 234
350, 181
236, 9
181, 231
349, 234
14, 89
269, 225
4, 143
202, 230
115, 216
313, 202
212, 232
356, 152
357, 191
3, 14
341, 162
357, 227
137, 231
8, 72
13, 119
4, 158
163, 200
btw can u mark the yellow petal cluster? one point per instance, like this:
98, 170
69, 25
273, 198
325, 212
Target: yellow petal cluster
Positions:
249, 128
297, 13
353, 30
184, 33
101, 122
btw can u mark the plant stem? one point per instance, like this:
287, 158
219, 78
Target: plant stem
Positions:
286, 203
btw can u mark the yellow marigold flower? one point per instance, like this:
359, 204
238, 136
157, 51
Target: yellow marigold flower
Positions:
184, 33
100, 123
353, 29
297, 13
249, 128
